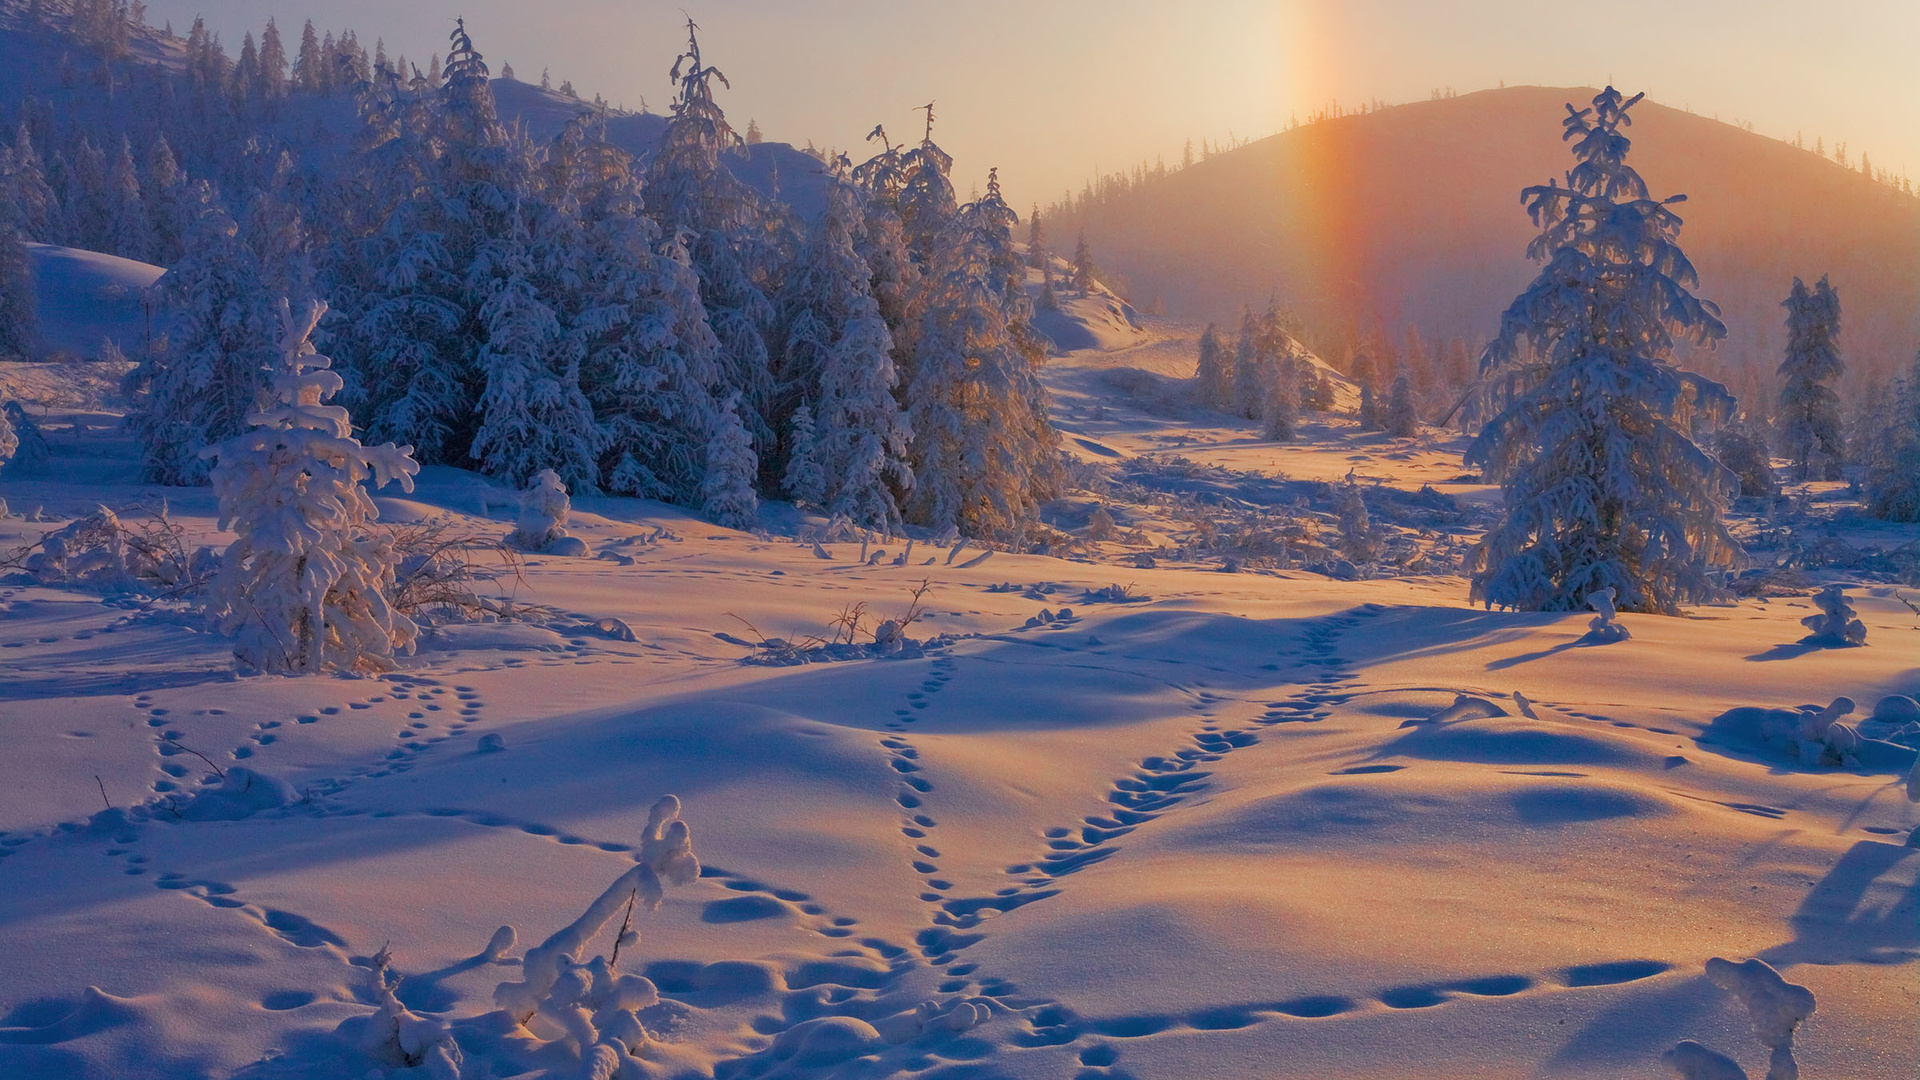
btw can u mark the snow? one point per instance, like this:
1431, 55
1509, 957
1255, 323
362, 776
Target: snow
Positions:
86, 297
1175, 828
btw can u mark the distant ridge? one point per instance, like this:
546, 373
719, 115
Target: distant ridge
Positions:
1412, 215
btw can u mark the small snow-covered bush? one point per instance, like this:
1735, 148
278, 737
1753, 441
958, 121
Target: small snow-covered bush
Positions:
103, 552
542, 528
590, 1007
30, 451
1605, 628
305, 586
1835, 627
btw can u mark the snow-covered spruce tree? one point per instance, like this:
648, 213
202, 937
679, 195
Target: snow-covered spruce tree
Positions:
1893, 469
19, 314
305, 584
1083, 268
1744, 451
1249, 386
1364, 377
1601, 484
690, 191
1401, 421
419, 285
128, 228
1280, 409
726, 492
219, 353
838, 355
983, 451
533, 414
804, 481
650, 363
1357, 539
1213, 375
927, 203
1809, 408
1037, 255
27, 201
882, 244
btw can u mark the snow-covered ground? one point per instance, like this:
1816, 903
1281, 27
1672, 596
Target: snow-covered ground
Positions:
1195, 826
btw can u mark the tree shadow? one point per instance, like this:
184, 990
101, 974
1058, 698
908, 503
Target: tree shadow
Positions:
1525, 658
1784, 652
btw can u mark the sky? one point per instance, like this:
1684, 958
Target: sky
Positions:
1051, 91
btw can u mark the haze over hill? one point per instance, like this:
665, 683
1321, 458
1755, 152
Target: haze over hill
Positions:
1411, 215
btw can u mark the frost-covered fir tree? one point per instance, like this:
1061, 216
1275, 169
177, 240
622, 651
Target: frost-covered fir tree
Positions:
1809, 408
650, 366
1249, 388
1280, 411
689, 190
19, 313
926, 200
726, 492
415, 289
1601, 483
533, 414
304, 587
1401, 419
983, 451
128, 228
838, 355
1083, 268
27, 201
1743, 450
804, 481
1037, 256
1893, 467
219, 356
1365, 378
882, 243
1213, 375
1357, 539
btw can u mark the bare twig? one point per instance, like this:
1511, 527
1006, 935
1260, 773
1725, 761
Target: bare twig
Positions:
626, 924
103, 791
176, 744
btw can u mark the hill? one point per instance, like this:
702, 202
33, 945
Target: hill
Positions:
1411, 215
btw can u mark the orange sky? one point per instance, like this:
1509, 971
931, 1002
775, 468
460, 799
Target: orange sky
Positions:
1050, 90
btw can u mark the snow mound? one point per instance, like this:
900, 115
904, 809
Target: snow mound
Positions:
241, 793
86, 297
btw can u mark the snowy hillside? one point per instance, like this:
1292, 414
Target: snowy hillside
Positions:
85, 297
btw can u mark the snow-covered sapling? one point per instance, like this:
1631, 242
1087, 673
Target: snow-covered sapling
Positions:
306, 584
1605, 628
1835, 627
590, 1008
400, 1038
1357, 539
542, 528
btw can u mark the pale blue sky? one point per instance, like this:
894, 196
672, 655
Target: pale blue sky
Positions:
1051, 89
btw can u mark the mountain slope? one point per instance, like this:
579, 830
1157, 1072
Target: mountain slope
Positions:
1412, 215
